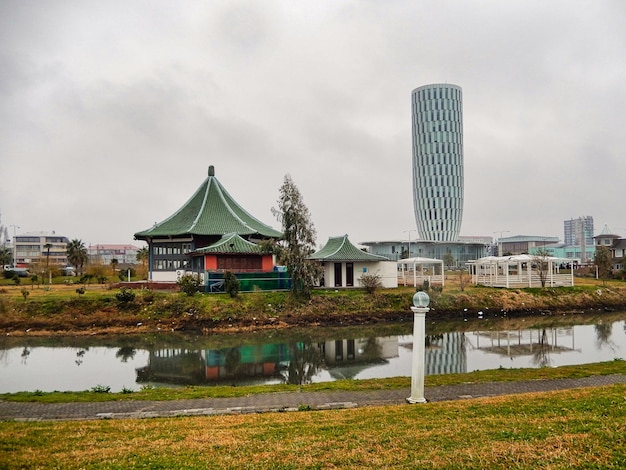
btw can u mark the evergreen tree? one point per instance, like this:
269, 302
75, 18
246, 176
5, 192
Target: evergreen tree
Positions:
298, 240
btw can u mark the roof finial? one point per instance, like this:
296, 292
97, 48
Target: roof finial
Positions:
211, 170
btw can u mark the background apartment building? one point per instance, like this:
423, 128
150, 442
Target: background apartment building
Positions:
575, 230
44, 248
104, 254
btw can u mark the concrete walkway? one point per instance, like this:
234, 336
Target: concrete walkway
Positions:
289, 401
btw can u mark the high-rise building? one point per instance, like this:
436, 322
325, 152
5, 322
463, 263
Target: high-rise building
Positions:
437, 114
576, 229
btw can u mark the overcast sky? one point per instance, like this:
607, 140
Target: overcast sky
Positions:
112, 111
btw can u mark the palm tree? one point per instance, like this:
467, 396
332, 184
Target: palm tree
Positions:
114, 263
47, 246
142, 256
76, 254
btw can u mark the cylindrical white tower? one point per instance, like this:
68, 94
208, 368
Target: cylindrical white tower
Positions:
437, 112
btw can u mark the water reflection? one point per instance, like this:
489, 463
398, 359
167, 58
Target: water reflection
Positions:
133, 363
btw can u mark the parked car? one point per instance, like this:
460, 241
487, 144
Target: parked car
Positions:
21, 272
68, 271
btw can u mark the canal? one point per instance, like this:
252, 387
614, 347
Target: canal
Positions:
304, 356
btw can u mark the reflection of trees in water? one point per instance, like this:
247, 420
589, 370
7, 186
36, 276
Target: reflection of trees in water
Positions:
232, 360
541, 355
372, 350
25, 354
603, 336
79, 355
431, 340
305, 361
603, 333
125, 353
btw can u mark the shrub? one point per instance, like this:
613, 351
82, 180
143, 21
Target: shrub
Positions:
231, 284
371, 282
125, 295
101, 389
189, 284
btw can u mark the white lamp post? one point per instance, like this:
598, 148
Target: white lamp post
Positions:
420, 308
409, 232
14, 246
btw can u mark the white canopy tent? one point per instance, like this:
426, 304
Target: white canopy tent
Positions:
422, 269
520, 271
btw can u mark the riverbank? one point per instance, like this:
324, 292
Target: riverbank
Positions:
64, 310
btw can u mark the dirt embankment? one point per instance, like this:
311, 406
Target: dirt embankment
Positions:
163, 312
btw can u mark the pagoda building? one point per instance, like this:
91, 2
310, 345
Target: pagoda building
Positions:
343, 264
210, 218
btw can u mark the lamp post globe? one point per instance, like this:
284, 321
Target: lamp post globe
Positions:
421, 299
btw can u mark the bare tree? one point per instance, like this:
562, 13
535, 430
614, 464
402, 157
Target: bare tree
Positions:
603, 263
464, 278
541, 265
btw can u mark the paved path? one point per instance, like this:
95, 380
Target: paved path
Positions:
288, 401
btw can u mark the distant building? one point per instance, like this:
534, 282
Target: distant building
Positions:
45, 248
462, 251
575, 230
615, 244
579, 232
571, 252
524, 244
104, 254
437, 130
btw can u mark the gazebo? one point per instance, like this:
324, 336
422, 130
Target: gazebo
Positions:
423, 269
520, 271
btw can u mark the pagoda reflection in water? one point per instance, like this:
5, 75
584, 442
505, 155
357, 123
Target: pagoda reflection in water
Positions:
301, 362
296, 362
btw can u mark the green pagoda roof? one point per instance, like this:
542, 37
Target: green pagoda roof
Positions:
340, 249
211, 211
231, 243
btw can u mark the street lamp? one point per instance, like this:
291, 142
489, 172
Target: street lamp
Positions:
14, 246
499, 246
409, 232
419, 308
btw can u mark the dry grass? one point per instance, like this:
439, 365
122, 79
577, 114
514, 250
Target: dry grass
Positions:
569, 429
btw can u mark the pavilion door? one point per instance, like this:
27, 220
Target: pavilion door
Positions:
349, 274
338, 276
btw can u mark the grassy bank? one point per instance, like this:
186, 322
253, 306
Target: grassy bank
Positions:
617, 366
582, 428
61, 310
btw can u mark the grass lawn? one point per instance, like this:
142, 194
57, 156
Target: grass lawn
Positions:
583, 428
